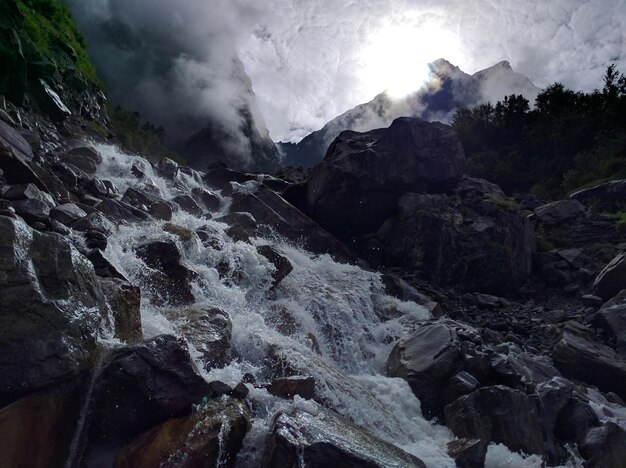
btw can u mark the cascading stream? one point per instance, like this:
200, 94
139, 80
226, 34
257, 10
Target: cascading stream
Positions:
321, 320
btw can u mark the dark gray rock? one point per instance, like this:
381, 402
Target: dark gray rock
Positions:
169, 279
467, 453
325, 439
67, 213
427, 359
288, 387
458, 385
188, 204
608, 197
281, 264
51, 307
355, 188
612, 279
498, 414
208, 329
578, 356
574, 421
120, 212
124, 299
604, 446
211, 436
140, 387
560, 211
275, 213
10, 137
611, 318
148, 202
84, 158
209, 199
167, 168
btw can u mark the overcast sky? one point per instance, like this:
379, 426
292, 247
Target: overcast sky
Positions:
310, 60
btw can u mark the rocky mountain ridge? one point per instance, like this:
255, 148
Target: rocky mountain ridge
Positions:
448, 89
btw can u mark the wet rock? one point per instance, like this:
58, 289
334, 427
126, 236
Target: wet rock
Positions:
208, 329
604, 446
148, 202
140, 387
95, 221
220, 177
288, 387
458, 385
211, 436
281, 264
271, 210
32, 210
121, 212
427, 359
322, 438
498, 414
170, 280
467, 453
10, 137
611, 318
51, 307
67, 213
355, 188
554, 396
103, 266
180, 232
167, 168
578, 356
243, 226
124, 299
84, 158
574, 421
95, 240
210, 200
188, 204
559, 211
37, 430
612, 279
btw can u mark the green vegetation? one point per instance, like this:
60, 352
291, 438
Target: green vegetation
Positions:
55, 37
570, 140
141, 138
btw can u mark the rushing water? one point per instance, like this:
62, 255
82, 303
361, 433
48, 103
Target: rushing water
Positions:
321, 320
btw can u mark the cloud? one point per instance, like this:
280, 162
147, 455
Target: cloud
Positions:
307, 65
311, 60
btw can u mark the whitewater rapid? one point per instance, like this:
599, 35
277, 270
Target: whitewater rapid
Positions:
335, 334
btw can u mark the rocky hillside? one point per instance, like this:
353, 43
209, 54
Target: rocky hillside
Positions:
448, 89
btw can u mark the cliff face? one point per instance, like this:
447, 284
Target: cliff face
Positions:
44, 65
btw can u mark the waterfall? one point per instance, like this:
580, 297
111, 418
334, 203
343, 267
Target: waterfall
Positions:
334, 332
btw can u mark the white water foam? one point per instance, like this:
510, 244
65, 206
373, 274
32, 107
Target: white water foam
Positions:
321, 320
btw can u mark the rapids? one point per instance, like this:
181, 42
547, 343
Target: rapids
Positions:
334, 332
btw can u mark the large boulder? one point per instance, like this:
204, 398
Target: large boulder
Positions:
428, 358
473, 241
208, 329
168, 279
604, 446
322, 438
124, 299
211, 436
610, 197
51, 307
611, 318
273, 212
498, 414
355, 188
612, 279
559, 211
577, 355
137, 388
37, 430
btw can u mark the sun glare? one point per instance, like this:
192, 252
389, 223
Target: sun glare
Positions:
397, 56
